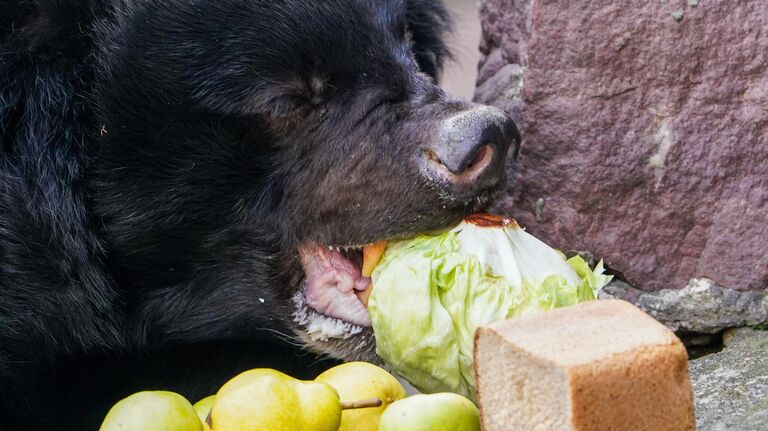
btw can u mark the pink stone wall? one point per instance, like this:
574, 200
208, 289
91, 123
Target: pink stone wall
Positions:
645, 130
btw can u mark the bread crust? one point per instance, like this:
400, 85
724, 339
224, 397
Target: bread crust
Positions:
623, 371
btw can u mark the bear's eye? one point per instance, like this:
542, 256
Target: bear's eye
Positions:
376, 104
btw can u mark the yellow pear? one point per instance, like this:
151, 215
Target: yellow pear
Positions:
358, 381
203, 407
428, 412
266, 399
152, 411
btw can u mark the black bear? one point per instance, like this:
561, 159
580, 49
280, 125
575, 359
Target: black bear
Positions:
185, 186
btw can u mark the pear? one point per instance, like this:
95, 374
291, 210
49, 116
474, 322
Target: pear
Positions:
152, 411
266, 399
361, 380
442, 411
203, 407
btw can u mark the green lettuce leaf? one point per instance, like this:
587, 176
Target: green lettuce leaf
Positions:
431, 293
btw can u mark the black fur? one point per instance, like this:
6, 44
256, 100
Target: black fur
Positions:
160, 161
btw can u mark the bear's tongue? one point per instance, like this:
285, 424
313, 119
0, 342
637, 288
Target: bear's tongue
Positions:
335, 285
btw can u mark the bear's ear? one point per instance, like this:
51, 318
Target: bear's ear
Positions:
428, 23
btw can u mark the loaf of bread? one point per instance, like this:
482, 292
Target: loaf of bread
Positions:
601, 365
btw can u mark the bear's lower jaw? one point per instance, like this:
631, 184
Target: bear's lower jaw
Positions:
320, 327
334, 285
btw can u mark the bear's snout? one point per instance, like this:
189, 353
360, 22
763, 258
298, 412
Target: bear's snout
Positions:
468, 156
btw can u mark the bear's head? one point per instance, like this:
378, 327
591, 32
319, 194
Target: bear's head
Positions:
248, 149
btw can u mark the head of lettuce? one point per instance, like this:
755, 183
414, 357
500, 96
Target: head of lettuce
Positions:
431, 293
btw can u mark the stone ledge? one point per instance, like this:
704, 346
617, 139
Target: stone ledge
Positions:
701, 307
731, 387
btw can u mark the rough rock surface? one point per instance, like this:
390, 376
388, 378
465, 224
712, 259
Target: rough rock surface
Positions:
700, 307
645, 131
731, 387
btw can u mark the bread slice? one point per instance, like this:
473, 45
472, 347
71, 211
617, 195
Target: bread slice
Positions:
601, 365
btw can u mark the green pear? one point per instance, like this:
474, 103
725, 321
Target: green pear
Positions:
152, 411
442, 411
203, 407
265, 399
358, 381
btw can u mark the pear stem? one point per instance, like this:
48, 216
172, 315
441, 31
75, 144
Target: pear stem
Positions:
362, 404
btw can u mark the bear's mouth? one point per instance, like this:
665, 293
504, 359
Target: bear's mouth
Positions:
333, 300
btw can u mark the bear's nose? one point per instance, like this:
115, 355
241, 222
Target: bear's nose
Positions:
469, 154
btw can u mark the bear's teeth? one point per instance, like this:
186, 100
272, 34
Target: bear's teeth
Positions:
320, 327
346, 248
